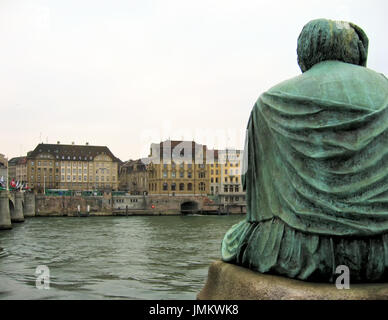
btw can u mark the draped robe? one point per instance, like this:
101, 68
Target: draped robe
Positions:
316, 177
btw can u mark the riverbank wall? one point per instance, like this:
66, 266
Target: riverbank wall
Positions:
128, 205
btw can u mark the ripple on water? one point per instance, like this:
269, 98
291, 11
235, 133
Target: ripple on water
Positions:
111, 257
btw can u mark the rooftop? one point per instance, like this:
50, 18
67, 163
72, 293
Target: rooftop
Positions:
71, 151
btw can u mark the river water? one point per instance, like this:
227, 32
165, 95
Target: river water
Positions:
161, 257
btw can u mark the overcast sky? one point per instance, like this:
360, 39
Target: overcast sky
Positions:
127, 73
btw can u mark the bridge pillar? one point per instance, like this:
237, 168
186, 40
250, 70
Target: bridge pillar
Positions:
5, 218
29, 204
17, 213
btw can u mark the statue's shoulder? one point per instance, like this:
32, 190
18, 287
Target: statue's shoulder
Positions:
336, 81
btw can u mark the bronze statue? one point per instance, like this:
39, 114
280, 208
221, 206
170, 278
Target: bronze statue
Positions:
317, 166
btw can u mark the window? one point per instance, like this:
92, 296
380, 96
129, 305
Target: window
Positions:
216, 180
173, 174
226, 171
189, 186
189, 174
212, 171
226, 179
181, 174
230, 188
237, 189
181, 186
173, 186
202, 186
212, 180
164, 174
225, 188
165, 186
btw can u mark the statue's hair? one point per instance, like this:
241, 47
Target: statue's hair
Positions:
323, 39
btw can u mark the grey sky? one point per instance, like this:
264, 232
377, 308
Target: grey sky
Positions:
127, 73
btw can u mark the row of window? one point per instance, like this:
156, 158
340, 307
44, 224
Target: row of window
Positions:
173, 186
226, 164
98, 178
182, 165
231, 179
122, 200
50, 163
231, 188
201, 175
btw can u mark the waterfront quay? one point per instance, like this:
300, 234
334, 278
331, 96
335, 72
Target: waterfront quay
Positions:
14, 206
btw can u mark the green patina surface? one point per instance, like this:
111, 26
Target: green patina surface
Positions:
317, 170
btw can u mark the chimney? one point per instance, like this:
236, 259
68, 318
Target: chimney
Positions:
72, 143
87, 143
58, 142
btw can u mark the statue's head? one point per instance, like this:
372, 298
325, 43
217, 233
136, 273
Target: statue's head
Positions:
323, 39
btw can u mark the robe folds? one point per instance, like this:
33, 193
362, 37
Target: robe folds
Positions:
316, 177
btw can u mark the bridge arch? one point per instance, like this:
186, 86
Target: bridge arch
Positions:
11, 207
189, 207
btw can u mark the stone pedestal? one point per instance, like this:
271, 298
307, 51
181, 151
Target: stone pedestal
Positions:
5, 218
230, 282
29, 205
17, 212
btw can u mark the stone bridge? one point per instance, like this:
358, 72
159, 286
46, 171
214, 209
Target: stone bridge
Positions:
14, 206
180, 204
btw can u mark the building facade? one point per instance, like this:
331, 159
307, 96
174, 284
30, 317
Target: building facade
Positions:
231, 189
4, 169
214, 174
74, 167
133, 177
177, 168
17, 169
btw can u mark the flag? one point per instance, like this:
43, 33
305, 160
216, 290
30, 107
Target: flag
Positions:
12, 183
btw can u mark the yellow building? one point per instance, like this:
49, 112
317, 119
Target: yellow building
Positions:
74, 167
231, 189
214, 174
177, 168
